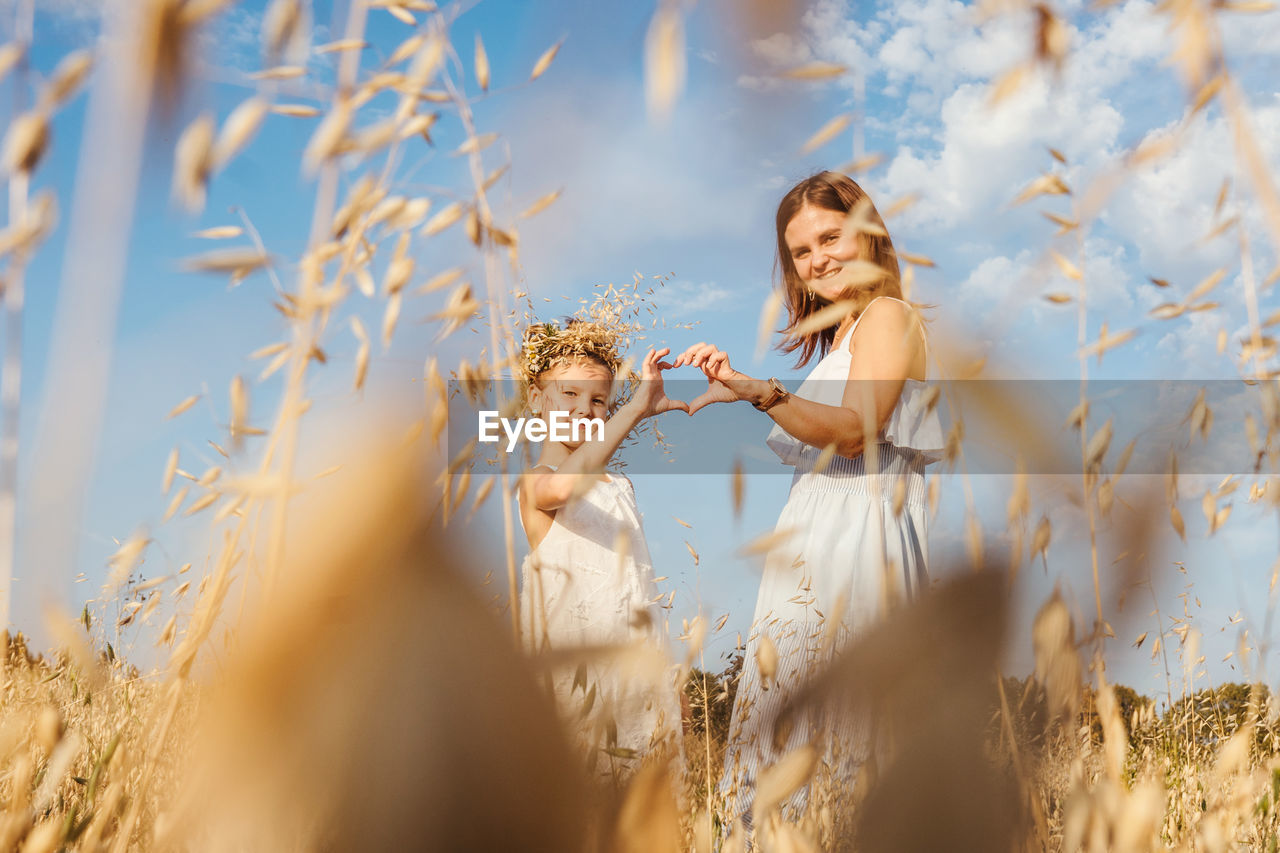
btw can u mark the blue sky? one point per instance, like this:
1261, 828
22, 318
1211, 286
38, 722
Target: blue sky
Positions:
693, 198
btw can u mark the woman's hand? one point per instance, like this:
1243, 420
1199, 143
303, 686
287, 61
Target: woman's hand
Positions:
721, 377
651, 396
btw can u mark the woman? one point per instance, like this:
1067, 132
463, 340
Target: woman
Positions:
858, 517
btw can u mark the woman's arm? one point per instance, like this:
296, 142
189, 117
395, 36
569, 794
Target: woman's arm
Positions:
886, 345
889, 346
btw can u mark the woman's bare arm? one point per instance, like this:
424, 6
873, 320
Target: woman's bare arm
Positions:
887, 350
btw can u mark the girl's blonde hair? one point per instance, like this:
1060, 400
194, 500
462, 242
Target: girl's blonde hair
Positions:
548, 344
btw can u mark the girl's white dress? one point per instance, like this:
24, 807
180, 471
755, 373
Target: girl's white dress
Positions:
589, 583
850, 557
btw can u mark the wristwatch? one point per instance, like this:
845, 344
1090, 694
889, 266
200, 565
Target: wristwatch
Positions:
777, 393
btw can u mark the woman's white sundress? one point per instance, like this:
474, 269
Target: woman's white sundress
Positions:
848, 559
589, 583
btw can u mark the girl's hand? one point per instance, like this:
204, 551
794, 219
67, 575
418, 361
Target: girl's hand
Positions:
721, 377
652, 395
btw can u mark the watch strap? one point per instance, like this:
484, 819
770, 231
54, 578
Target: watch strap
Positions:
778, 392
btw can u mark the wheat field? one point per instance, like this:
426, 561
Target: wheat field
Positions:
330, 676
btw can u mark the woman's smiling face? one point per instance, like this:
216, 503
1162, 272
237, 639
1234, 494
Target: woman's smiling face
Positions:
820, 245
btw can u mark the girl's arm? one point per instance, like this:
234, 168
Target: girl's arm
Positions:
889, 344
550, 490
535, 520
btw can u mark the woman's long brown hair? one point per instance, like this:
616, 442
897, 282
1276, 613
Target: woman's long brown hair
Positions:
830, 191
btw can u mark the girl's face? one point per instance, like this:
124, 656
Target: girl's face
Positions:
820, 247
581, 388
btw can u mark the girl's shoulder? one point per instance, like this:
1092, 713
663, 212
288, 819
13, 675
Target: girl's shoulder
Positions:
534, 471
525, 480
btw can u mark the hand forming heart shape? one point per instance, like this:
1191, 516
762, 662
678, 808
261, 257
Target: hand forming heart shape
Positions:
714, 363
721, 377
652, 393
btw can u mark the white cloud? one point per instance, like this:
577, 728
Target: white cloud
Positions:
1000, 283
1246, 35
1105, 54
760, 83
941, 60
779, 52
79, 9
837, 36
1192, 339
76, 22
1109, 285
995, 278
782, 50
987, 154
684, 300
904, 54
234, 39
1166, 208
630, 193
938, 43
1193, 344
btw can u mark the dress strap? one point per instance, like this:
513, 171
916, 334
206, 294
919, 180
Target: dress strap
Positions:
849, 334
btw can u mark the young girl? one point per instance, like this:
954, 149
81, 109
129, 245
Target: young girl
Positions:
587, 581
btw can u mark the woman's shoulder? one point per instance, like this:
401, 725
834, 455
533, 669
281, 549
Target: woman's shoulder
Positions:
892, 325
886, 309
882, 315
891, 314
